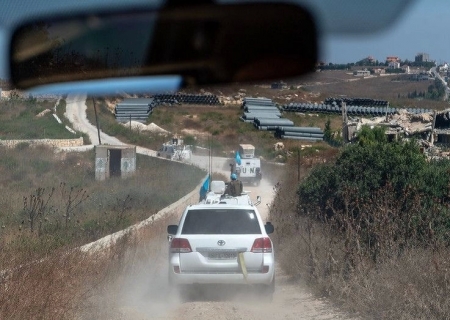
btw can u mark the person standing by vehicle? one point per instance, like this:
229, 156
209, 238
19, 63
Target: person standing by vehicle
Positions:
235, 186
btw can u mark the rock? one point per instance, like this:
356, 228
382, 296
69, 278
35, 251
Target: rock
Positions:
278, 146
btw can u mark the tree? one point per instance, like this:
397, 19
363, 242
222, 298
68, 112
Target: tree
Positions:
370, 136
327, 134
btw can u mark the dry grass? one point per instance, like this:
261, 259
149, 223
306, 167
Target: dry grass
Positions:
93, 285
338, 83
413, 285
51, 288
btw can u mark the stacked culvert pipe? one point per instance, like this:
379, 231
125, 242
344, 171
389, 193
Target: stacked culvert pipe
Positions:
179, 98
135, 109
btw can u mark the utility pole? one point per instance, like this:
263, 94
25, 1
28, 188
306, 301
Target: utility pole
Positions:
387, 107
298, 164
344, 122
96, 120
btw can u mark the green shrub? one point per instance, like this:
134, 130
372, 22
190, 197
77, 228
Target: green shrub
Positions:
190, 140
371, 165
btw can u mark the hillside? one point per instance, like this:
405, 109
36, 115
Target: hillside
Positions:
220, 128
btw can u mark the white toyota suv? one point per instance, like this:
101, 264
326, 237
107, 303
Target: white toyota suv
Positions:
222, 243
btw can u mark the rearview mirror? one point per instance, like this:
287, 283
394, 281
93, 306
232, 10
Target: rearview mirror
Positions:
205, 44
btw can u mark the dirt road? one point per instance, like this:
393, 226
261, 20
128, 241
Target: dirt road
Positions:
141, 291
145, 293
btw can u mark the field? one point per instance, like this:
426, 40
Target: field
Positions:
50, 200
393, 88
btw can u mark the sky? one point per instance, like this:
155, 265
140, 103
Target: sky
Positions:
424, 27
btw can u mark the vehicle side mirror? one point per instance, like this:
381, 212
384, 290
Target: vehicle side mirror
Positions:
269, 228
172, 229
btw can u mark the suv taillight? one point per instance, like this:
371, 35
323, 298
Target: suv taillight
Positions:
262, 245
180, 245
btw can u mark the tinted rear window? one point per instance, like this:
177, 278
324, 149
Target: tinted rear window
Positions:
221, 221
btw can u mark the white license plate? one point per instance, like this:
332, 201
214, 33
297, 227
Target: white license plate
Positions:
222, 255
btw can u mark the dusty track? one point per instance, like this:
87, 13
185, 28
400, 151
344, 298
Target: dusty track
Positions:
146, 295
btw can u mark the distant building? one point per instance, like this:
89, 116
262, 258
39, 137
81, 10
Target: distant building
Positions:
361, 73
392, 59
394, 65
423, 76
422, 57
443, 67
406, 69
379, 71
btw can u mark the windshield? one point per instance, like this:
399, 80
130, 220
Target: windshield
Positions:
349, 163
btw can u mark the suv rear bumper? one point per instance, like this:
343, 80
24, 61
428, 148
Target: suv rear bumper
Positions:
222, 278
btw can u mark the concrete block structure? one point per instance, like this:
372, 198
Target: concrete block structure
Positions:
114, 161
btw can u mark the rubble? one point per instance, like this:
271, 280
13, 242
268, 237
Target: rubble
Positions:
402, 122
278, 146
429, 128
138, 126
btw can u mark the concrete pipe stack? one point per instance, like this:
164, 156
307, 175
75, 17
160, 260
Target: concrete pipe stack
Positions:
174, 99
299, 133
259, 108
135, 109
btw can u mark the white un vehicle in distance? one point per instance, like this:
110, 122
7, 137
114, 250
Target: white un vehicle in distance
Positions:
222, 241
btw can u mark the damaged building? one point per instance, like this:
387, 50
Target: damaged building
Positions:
430, 128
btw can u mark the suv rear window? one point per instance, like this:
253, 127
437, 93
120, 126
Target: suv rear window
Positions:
221, 221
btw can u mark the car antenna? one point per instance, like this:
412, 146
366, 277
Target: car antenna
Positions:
210, 163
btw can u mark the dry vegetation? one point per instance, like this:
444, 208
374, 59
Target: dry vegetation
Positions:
93, 285
50, 204
398, 274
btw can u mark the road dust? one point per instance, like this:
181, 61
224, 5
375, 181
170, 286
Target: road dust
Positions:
145, 293
137, 286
